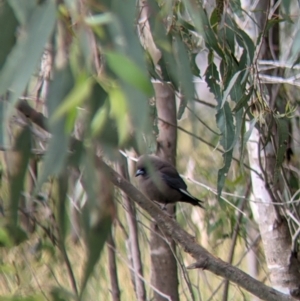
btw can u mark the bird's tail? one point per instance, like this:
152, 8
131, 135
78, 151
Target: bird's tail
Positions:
188, 198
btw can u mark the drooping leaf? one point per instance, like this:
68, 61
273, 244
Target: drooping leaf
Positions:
213, 81
80, 92
8, 25
237, 8
97, 218
118, 110
230, 87
21, 156
23, 9
129, 71
57, 151
25, 55
226, 126
245, 42
184, 74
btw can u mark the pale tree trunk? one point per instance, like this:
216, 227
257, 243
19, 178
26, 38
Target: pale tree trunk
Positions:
276, 237
282, 263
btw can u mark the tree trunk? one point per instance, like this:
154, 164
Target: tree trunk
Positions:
273, 226
163, 263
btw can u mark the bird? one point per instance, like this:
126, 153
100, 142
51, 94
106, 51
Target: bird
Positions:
160, 182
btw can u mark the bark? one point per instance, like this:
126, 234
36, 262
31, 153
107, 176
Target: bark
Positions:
134, 247
276, 237
163, 262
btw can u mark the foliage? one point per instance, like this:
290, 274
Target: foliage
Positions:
81, 64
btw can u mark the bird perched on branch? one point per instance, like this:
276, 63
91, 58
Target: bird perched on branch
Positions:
160, 182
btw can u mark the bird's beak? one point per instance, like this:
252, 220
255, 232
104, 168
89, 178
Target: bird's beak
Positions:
139, 172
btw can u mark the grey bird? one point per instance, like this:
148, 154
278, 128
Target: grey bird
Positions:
160, 181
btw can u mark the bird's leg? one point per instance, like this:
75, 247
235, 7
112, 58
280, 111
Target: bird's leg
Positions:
161, 206
164, 207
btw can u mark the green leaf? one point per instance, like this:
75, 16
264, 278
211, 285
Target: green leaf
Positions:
237, 8
23, 9
118, 110
213, 81
126, 69
283, 136
229, 87
246, 43
201, 22
62, 217
184, 74
25, 55
21, 156
80, 92
57, 151
286, 4
96, 217
226, 126
8, 25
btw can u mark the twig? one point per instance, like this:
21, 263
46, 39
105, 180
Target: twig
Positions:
112, 266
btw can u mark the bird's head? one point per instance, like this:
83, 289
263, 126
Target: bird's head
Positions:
144, 166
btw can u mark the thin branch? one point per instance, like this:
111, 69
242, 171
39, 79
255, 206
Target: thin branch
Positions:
112, 266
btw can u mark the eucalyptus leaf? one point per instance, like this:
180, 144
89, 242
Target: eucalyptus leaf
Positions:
129, 72
8, 25
26, 53
225, 124
55, 158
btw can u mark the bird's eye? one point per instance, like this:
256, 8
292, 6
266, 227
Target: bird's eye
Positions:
141, 172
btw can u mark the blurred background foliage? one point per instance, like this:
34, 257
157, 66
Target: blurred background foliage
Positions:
76, 83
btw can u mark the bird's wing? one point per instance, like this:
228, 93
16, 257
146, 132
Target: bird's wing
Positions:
172, 178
